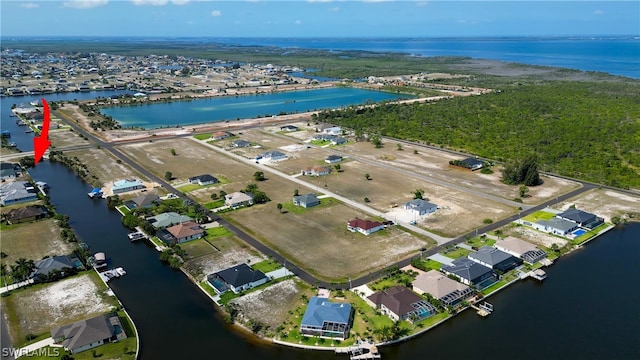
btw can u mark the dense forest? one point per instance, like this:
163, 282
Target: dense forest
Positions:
585, 130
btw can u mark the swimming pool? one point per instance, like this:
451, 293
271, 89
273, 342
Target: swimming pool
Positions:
579, 232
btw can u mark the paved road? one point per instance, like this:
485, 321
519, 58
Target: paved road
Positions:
267, 169
442, 242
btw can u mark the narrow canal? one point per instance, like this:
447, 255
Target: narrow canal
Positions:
175, 319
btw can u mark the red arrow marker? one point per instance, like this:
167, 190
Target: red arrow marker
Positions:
42, 143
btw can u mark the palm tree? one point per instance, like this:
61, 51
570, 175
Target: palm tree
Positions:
4, 271
279, 207
23, 269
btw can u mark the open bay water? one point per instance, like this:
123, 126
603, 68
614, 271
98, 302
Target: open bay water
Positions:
617, 55
228, 108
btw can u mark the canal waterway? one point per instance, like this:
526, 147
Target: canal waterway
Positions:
586, 308
228, 108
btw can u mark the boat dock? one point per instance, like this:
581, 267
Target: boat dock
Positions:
135, 236
538, 274
111, 273
362, 350
484, 309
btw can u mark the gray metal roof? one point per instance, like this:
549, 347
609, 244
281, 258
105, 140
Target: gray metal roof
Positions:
489, 255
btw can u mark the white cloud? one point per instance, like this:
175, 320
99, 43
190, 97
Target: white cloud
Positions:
85, 4
334, 9
29, 5
599, 12
298, 22
422, 3
180, 2
150, 2
216, 13
319, 1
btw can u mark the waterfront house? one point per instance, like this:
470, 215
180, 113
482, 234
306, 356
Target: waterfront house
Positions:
306, 200
89, 333
26, 214
237, 279
526, 251
143, 201
62, 264
221, 135
400, 303
582, 218
17, 192
470, 272
125, 185
468, 163
420, 207
326, 319
495, 259
316, 170
556, 226
186, 231
238, 199
239, 143
448, 291
203, 180
332, 130
165, 220
331, 159
365, 227
7, 171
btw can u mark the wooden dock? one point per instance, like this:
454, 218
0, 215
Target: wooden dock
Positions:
484, 309
363, 350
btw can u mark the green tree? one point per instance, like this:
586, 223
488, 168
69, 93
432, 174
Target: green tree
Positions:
258, 176
279, 206
367, 176
418, 194
173, 152
523, 190
399, 147
168, 175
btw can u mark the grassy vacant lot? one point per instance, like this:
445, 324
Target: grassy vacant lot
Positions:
435, 163
33, 241
36, 309
64, 137
539, 215
318, 240
104, 166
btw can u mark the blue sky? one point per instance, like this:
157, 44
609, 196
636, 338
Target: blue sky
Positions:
317, 18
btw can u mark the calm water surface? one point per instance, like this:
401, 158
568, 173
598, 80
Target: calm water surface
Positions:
586, 308
242, 107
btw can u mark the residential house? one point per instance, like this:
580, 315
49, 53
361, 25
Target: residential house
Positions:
239, 143
288, 128
186, 231
203, 180
125, 185
237, 279
7, 171
52, 264
338, 140
400, 303
556, 226
274, 155
420, 207
448, 291
238, 199
143, 201
364, 226
17, 192
306, 200
332, 130
326, 319
472, 163
220, 135
470, 272
89, 333
333, 159
582, 218
165, 220
526, 251
26, 214
495, 259
316, 170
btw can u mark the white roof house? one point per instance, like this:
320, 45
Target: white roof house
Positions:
121, 186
